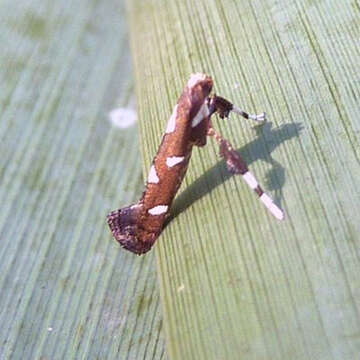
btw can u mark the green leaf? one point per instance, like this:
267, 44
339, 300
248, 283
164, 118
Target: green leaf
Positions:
235, 282
68, 291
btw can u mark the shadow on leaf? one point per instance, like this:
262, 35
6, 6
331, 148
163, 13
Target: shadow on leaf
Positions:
259, 149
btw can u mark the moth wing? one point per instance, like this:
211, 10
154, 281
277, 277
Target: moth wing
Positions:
124, 225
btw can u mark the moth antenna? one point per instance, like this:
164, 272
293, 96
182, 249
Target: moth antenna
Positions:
237, 165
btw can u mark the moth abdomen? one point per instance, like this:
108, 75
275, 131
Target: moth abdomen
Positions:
128, 231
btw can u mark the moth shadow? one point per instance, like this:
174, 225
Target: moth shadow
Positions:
267, 140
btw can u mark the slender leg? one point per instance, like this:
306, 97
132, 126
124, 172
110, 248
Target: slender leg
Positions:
256, 117
236, 165
223, 107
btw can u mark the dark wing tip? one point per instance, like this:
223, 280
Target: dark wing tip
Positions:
124, 225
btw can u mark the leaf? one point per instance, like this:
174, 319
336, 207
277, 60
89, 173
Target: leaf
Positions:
68, 291
235, 282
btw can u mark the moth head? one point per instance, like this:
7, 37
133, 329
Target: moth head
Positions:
201, 79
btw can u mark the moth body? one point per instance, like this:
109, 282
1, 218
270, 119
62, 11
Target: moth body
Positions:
137, 227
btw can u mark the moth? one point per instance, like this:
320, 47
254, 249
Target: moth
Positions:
137, 227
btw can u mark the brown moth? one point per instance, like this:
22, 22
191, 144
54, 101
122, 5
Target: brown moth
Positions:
138, 226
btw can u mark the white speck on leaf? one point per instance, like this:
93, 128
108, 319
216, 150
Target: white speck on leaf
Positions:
122, 117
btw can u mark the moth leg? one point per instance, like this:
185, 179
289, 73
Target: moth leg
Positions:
237, 165
256, 117
223, 107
